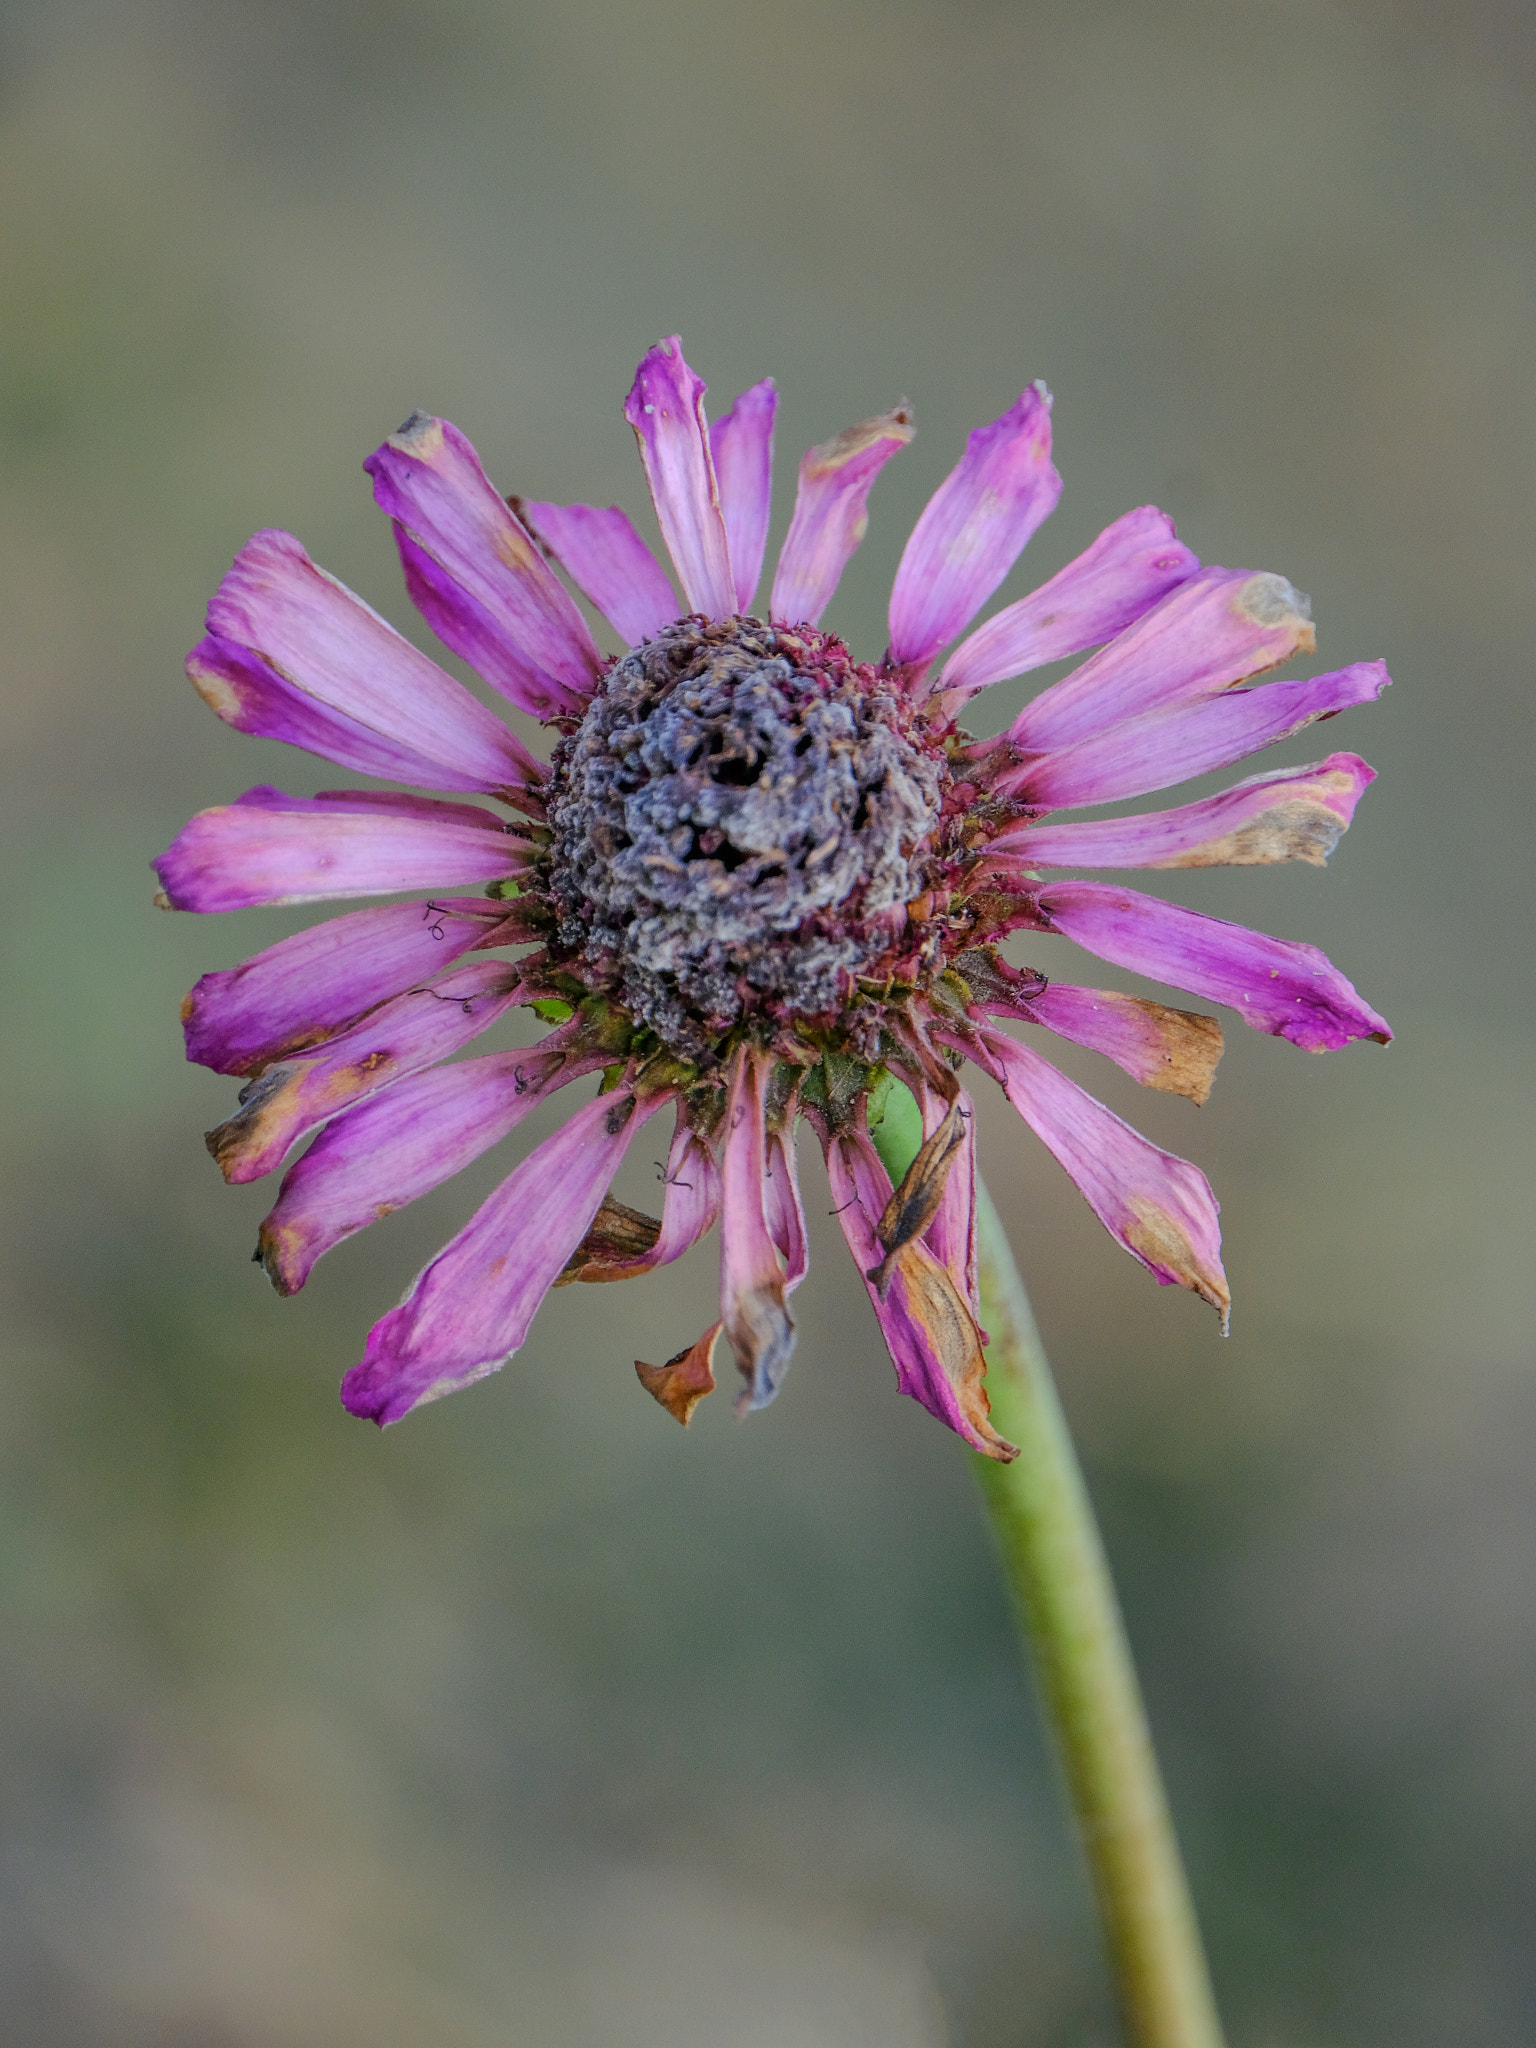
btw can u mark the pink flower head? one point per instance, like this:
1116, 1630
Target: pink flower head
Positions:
756, 881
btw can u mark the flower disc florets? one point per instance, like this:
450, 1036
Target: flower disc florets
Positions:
736, 825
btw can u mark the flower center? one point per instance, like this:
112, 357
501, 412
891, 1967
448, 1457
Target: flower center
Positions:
736, 822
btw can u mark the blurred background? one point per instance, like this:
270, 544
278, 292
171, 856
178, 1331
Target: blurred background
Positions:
536, 1722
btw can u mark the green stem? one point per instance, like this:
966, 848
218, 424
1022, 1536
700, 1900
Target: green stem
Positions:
1056, 1566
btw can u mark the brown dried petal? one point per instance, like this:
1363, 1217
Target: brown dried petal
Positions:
913, 1205
681, 1384
934, 1302
618, 1236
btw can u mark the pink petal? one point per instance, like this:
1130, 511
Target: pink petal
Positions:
831, 516
742, 447
309, 987
1216, 628
293, 655
1289, 814
928, 1329
693, 1196
471, 1308
1174, 1050
1276, 985
271, 848
401, 1143
1159, 1207
606, 559
1143, 754
751, 1279
951, 1236
1129, 567
974, 528
476, 575
783, 1209
665, 407
411, 1031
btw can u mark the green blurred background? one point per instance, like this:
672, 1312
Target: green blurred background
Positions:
535, 1721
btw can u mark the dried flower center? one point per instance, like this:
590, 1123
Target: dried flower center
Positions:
736, 823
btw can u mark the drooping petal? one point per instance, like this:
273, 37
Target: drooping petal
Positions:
476, 575
742, 447
309, 987
1128, 568
402, 1036
1143, 754
1276, 985
951, 1236
293, 655
1218, 627
1174, 1050
917, 1197
751, 1279
401, 1143
784, 1210
692, 1203
689, 1209
1289, 814
974, 528
270, 848
665, 407
928, 1328
599, 549
1159, 1207
831, 516
471, 1308
681, 1384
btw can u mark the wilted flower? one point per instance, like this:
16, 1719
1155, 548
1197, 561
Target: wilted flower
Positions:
760, 880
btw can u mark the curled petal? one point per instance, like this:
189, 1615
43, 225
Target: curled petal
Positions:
1174, 1050
692, 1203
599, 549
914, 1205
475, 574
471, 1308
928, 1328
401, 1143
751, 1279
1276, 985
292, 655
1216, 628
400, 1037
666, 409
831, 516
681, 1384
974, 528
307, 988
270, 848
1165, 747
952, 1233
1290, 814
1159, 1207
784, 1210
1128, 568
742, 447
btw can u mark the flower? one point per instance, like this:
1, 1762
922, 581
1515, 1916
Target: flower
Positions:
757, 882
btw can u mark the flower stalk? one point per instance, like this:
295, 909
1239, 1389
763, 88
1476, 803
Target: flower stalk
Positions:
1055, 1564
1054, 1561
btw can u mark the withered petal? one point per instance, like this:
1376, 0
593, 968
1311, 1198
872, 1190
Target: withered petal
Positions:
618, 1237
681, 1384
915, 1203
